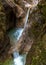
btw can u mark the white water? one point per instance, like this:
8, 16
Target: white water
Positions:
34, 4
16, 34
26, 18
20, 60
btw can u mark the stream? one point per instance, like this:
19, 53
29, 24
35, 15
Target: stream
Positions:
14, 36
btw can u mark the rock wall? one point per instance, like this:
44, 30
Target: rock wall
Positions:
4, 39
37, 53
35, 30
8, 20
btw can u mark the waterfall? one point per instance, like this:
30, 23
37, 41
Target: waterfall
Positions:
19, 59
15, 54
26, 18
35, 2
16, 34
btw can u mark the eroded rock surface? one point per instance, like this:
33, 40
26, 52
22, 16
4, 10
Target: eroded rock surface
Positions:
33, 38
37, 53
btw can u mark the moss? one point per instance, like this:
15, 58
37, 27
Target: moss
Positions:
7, 62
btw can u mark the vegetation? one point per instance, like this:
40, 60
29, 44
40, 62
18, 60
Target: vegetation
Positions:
37, 54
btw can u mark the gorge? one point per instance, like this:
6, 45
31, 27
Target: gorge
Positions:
22, 29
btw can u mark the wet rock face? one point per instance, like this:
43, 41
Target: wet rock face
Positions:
9, 14
7, 21
34, 30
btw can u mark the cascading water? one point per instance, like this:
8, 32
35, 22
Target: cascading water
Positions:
34, 4
26, 18
16, 34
